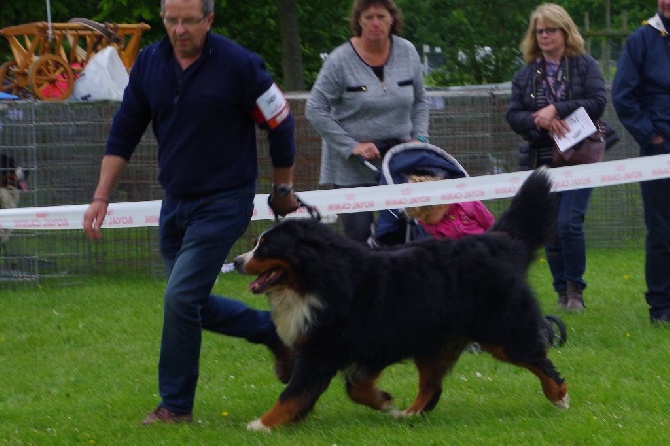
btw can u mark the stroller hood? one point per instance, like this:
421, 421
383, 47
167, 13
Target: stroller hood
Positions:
399, 163
418, 159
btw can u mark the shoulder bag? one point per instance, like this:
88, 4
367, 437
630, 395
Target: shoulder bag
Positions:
589, 150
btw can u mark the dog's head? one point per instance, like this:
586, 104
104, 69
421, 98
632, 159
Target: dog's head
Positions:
11, 175
290, 254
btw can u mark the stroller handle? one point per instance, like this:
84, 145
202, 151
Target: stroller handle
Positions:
367, 163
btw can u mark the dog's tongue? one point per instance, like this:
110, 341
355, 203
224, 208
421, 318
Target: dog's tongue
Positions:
22, 185
254, 286
265, 280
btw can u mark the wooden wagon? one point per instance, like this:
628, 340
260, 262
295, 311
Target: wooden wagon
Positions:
48, 57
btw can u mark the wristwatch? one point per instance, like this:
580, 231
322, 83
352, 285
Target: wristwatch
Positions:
282, 190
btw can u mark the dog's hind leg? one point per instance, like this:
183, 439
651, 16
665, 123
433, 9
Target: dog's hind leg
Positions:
432, 371
553, 386
362, 389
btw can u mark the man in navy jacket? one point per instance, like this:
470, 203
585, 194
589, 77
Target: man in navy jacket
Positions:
204, 96
641, 97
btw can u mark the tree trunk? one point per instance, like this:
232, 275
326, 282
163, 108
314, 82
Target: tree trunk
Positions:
292, 67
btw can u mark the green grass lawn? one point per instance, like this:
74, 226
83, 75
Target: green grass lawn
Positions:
78, 366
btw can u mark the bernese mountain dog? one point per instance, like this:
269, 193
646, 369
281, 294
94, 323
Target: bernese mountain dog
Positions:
344, 307
12, 181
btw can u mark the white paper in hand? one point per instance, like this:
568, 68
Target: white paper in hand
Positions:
580, 126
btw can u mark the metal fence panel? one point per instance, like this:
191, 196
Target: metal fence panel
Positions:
61, 145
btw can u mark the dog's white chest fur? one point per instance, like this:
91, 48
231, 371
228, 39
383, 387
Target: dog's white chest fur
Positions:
292, 313
9, 198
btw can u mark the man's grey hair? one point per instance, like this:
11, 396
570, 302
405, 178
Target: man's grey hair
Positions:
207, 7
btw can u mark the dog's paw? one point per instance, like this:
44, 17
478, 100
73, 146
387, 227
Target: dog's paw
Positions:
402, 413
563, 403
257, 426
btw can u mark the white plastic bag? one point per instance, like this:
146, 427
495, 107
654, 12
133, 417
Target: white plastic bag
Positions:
103, 77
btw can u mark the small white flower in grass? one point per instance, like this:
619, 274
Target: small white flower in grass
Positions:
478, 375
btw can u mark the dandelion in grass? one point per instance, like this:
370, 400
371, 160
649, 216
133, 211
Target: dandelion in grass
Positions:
224, 413
626, 277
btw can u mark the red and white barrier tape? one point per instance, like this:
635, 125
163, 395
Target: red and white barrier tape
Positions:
342, 201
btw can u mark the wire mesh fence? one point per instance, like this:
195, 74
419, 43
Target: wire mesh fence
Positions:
60, 145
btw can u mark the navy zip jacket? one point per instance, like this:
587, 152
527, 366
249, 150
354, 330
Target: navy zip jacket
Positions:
586, 89
641, 87
204, 117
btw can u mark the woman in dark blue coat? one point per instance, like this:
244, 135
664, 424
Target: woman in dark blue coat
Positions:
558, 78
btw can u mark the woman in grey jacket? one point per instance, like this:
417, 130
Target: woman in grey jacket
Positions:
369, 96
558, 78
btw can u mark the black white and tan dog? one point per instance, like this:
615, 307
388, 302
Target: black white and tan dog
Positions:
12, 180
347, 308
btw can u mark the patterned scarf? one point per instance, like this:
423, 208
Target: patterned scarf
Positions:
554, 82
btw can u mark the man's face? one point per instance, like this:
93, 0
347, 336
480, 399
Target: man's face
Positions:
186, 26
664, 7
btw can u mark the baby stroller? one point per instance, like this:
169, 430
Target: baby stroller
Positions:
394, 226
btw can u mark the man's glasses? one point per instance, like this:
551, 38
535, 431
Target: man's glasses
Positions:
186, 22
549, 31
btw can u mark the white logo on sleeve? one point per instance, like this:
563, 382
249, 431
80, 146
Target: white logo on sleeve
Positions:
273, 106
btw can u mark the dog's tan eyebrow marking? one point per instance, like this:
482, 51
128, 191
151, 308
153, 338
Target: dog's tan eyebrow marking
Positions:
260, 238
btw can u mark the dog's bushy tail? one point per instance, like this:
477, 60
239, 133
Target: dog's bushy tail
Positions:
531, 216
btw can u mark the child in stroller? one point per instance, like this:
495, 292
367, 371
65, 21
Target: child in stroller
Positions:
454, 220
418, 162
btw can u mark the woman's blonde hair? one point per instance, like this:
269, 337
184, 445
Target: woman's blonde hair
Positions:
552, 15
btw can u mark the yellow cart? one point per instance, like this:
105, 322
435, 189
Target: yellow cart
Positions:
48, 57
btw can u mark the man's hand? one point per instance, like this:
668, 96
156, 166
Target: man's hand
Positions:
281, 206
94, 217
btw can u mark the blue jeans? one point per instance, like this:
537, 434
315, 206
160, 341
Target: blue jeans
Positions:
196, 236
566, 254
657, 245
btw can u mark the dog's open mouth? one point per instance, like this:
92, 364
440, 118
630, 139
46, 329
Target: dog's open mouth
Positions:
267, 280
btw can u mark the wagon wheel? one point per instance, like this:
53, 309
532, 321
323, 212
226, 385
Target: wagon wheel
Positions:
9, 80
51, 78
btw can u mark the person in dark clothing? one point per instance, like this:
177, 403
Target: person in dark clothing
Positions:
558, 78
204, 95
641, 98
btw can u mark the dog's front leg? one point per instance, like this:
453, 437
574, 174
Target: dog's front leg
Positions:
308, 382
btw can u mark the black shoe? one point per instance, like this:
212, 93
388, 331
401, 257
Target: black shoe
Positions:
662, 320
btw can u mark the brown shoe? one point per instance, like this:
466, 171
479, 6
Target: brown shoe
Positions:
575, 305
284, 361
162, 415
575, 302
562, 302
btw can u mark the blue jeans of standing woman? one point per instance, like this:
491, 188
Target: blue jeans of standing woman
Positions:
196, 235
566, 254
